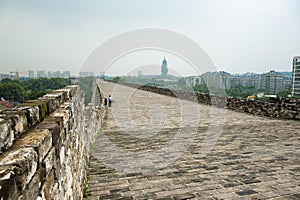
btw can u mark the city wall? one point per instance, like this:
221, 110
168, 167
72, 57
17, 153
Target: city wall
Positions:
283, 108
44, 146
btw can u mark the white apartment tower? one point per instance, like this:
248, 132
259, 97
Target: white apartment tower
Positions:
296, 77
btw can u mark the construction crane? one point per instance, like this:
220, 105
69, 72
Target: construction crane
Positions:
17, 73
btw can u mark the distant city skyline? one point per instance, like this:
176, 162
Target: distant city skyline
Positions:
239, 36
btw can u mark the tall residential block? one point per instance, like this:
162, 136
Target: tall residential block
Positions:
41, 74
217, 80
31, 74
296, 77
272, 82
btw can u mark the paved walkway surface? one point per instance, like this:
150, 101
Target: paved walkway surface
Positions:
155, 147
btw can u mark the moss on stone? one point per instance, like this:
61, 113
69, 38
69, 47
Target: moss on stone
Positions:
43, 109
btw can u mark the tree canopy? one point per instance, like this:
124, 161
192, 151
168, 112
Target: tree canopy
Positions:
19, 91
284, 93
238, 91
201, 88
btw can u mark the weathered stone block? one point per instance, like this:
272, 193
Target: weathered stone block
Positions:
62, 95
61, 191
8, 184
43, 109
51, 102
55, 130
33, 114
55, 191
59, 96
71, 123
69, 179
6, 134
33, 189
49, 161
67, 141
62, 155
26, 161
40, 140
68, 106
19, 119
46, 191
60, 112
57, 168
73, 89
66, 91
56, 119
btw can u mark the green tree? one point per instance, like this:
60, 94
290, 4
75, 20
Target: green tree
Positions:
240, 91
6, 80
28, 95
44, 84
116, 79
233, 92
284, 93
12, 91
201, 88
15, 90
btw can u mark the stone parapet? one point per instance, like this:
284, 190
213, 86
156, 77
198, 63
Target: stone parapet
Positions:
282, 108
45, 146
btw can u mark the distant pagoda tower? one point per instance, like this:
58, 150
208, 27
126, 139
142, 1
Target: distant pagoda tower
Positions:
164, 68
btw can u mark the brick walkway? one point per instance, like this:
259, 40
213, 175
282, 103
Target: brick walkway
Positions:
149, 150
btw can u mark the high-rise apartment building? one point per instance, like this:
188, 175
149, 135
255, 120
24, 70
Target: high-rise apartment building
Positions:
66, 74
193, 80
217, 80
296, 77
31, 74
41, 74
272, 82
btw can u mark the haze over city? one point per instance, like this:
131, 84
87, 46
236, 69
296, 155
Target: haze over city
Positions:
239, 36
139, 99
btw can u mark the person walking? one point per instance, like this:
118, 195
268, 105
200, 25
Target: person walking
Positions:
109, 100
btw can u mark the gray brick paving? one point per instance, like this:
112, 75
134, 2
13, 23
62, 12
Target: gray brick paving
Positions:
254, 157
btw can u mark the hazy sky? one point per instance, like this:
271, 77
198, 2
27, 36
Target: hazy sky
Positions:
238, 35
